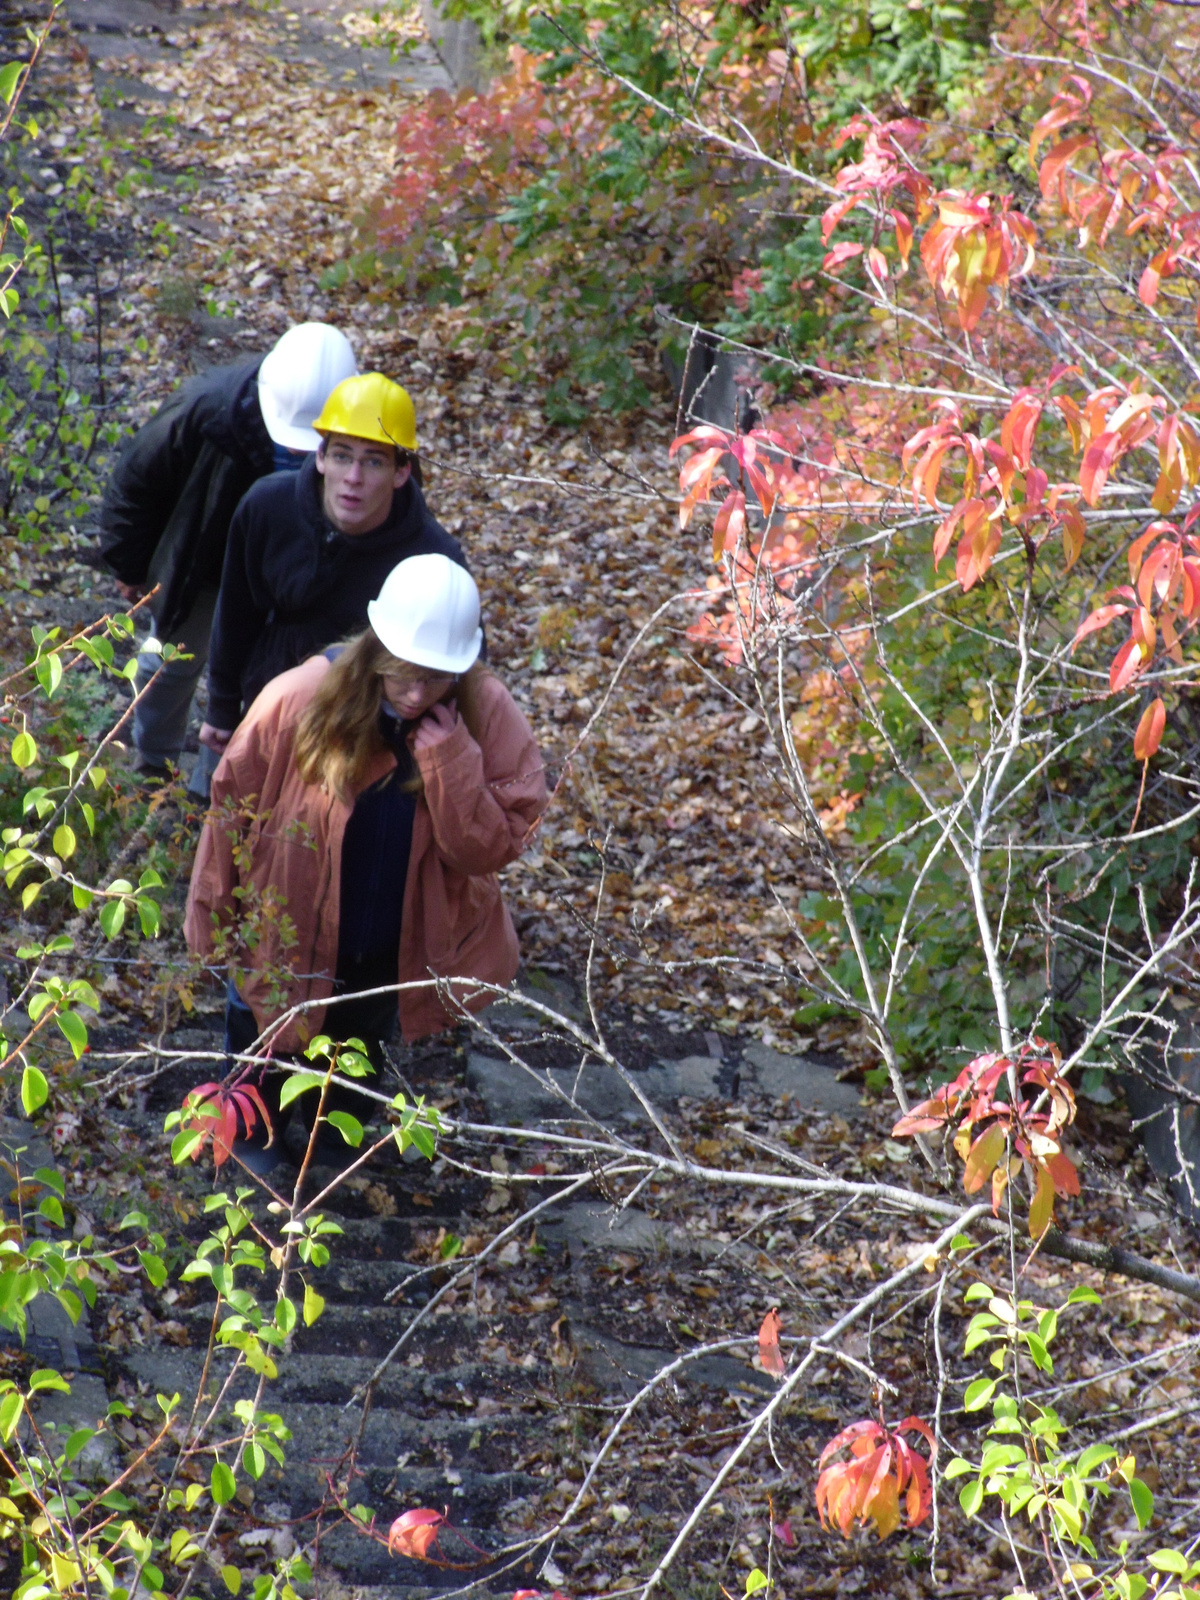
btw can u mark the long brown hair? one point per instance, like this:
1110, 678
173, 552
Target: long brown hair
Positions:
339, 735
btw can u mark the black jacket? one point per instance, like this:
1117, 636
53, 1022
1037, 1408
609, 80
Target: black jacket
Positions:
172, 495
292, 584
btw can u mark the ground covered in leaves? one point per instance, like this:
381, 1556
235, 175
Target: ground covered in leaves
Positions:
219, 183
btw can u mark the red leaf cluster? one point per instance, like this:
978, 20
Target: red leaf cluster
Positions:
996, 1138
415, 1534
214, 1109
879, 1475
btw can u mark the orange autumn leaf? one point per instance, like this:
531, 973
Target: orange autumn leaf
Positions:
769, 1352
413, 1533
1150, 730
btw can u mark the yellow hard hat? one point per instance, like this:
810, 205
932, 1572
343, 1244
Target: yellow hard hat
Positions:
370, 406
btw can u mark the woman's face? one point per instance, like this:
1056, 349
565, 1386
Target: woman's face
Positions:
411, 691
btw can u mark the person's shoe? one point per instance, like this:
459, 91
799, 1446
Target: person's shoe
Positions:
148, 770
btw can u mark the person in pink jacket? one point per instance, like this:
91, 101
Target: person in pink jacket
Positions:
359, 818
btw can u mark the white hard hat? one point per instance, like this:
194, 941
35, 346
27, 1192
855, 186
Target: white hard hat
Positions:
296, 378
427, 613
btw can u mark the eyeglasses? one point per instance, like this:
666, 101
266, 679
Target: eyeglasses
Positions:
410, 679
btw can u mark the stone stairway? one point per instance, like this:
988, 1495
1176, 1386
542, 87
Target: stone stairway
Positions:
460, 1420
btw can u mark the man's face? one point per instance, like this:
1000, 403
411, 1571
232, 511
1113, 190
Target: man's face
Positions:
360, 479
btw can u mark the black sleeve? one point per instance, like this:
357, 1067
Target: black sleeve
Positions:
145, 484
238, 623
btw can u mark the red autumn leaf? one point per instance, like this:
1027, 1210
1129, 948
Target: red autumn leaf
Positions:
783, 1532
1126, 665
839, 255
769, 1352
1063, 1174
1018, 427
215, 1109
868, 1487
1098, 461
1051, 169
925, 1118
1100, 618
414, 1532
1150, 730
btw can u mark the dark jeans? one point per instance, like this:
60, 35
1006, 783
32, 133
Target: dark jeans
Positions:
356, 1019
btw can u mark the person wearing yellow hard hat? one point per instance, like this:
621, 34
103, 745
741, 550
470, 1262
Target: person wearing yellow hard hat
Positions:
174, 488
308, 552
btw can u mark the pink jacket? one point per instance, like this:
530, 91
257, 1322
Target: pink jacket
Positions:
279, 841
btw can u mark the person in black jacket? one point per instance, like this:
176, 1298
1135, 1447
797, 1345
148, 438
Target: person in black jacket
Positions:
169, 502
307, 553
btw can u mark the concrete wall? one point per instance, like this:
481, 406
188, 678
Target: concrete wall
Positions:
459, 45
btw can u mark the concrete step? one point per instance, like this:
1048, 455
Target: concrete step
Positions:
493, 1389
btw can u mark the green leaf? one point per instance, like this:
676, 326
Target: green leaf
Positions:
24, 751
76, 1442
255, 1460
48, 672
185, 1143
314, 1304
35, 1091
1083, 1297
1142, 1500
47, 1378
957, 1468
977, 1291
299, 1083
231, 1578
979, 1394
11, 1408
71, 1303
112, 918
970, 1497
350, 1128
1170, 1561
29, 894
424, 1140
756, 1580
154, 1268
285, 1314
1092, 1457
81, 896
150, 917
64, 841
223, 1484
1038, 1353
72, 1028
10, 77
51, 1209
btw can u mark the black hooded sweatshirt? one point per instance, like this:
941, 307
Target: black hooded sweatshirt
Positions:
177, 483
292, 584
